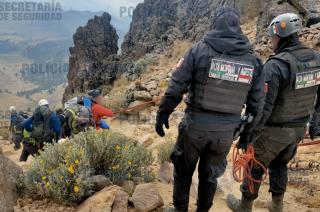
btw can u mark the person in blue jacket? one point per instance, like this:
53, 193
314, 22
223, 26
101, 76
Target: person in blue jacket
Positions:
42, 127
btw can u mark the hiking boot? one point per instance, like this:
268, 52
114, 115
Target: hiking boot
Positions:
276, 205
243, 205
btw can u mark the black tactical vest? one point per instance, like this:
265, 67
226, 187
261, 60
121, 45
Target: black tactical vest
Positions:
222, 84
295, 102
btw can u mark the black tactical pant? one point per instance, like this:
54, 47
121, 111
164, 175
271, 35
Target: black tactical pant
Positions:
211, 148
275, 148
17, 139
29, 149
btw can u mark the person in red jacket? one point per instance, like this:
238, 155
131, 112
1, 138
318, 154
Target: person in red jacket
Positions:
98, 110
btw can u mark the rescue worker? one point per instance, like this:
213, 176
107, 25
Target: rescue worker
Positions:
42, 127
98, 110
291, 76
16, 119
220, 74
29, 146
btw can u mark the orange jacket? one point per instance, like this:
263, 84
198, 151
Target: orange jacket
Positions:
99, 112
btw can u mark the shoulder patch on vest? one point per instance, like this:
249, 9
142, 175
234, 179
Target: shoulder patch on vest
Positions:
231, 71
307, 79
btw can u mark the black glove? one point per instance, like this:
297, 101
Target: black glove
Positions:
244, 141
162, 119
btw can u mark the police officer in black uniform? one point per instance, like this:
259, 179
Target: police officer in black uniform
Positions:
220, 74
292, 76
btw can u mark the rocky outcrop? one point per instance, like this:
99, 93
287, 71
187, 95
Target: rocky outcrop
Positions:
156, 24
8, 178
93, 60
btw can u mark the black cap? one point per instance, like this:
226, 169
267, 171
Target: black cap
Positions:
94, 93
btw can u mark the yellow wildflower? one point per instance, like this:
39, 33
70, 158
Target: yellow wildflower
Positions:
76, 189
126, 147
118, 147
76, 161
44, 178
115, 167
47, 185
71, 169
129, 162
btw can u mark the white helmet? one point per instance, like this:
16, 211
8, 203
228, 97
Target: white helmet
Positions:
43, 102
285, 25
12, 109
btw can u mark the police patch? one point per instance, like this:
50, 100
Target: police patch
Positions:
307, 79
231, 71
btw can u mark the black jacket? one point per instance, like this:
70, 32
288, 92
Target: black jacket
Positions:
224, 40
278, 77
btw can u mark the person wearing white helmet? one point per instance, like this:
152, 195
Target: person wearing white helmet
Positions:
292, 79
43, 102
43, 127
12, 109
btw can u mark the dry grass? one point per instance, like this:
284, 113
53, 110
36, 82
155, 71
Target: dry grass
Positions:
173, 55
116, 98
4, 133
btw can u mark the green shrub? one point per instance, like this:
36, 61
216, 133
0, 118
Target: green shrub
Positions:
164, 151
61, 170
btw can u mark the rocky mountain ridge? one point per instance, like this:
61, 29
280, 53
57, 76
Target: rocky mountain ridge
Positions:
156, 25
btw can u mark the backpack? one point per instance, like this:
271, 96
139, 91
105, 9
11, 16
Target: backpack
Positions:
78, 116
41, 125
16, 123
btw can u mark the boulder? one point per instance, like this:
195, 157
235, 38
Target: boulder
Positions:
166, 172
8, 177
129, 186
142, 96
152, 85
146, 197
101, 201
120, 203
154, 92
99, 182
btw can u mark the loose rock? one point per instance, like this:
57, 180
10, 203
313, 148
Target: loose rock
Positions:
146, 197
99, 182
101, 201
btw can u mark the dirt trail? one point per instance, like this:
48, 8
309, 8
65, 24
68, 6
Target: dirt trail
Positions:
303, 191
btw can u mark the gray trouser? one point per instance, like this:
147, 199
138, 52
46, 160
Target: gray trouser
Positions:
17, 139
211, 148
274, 148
